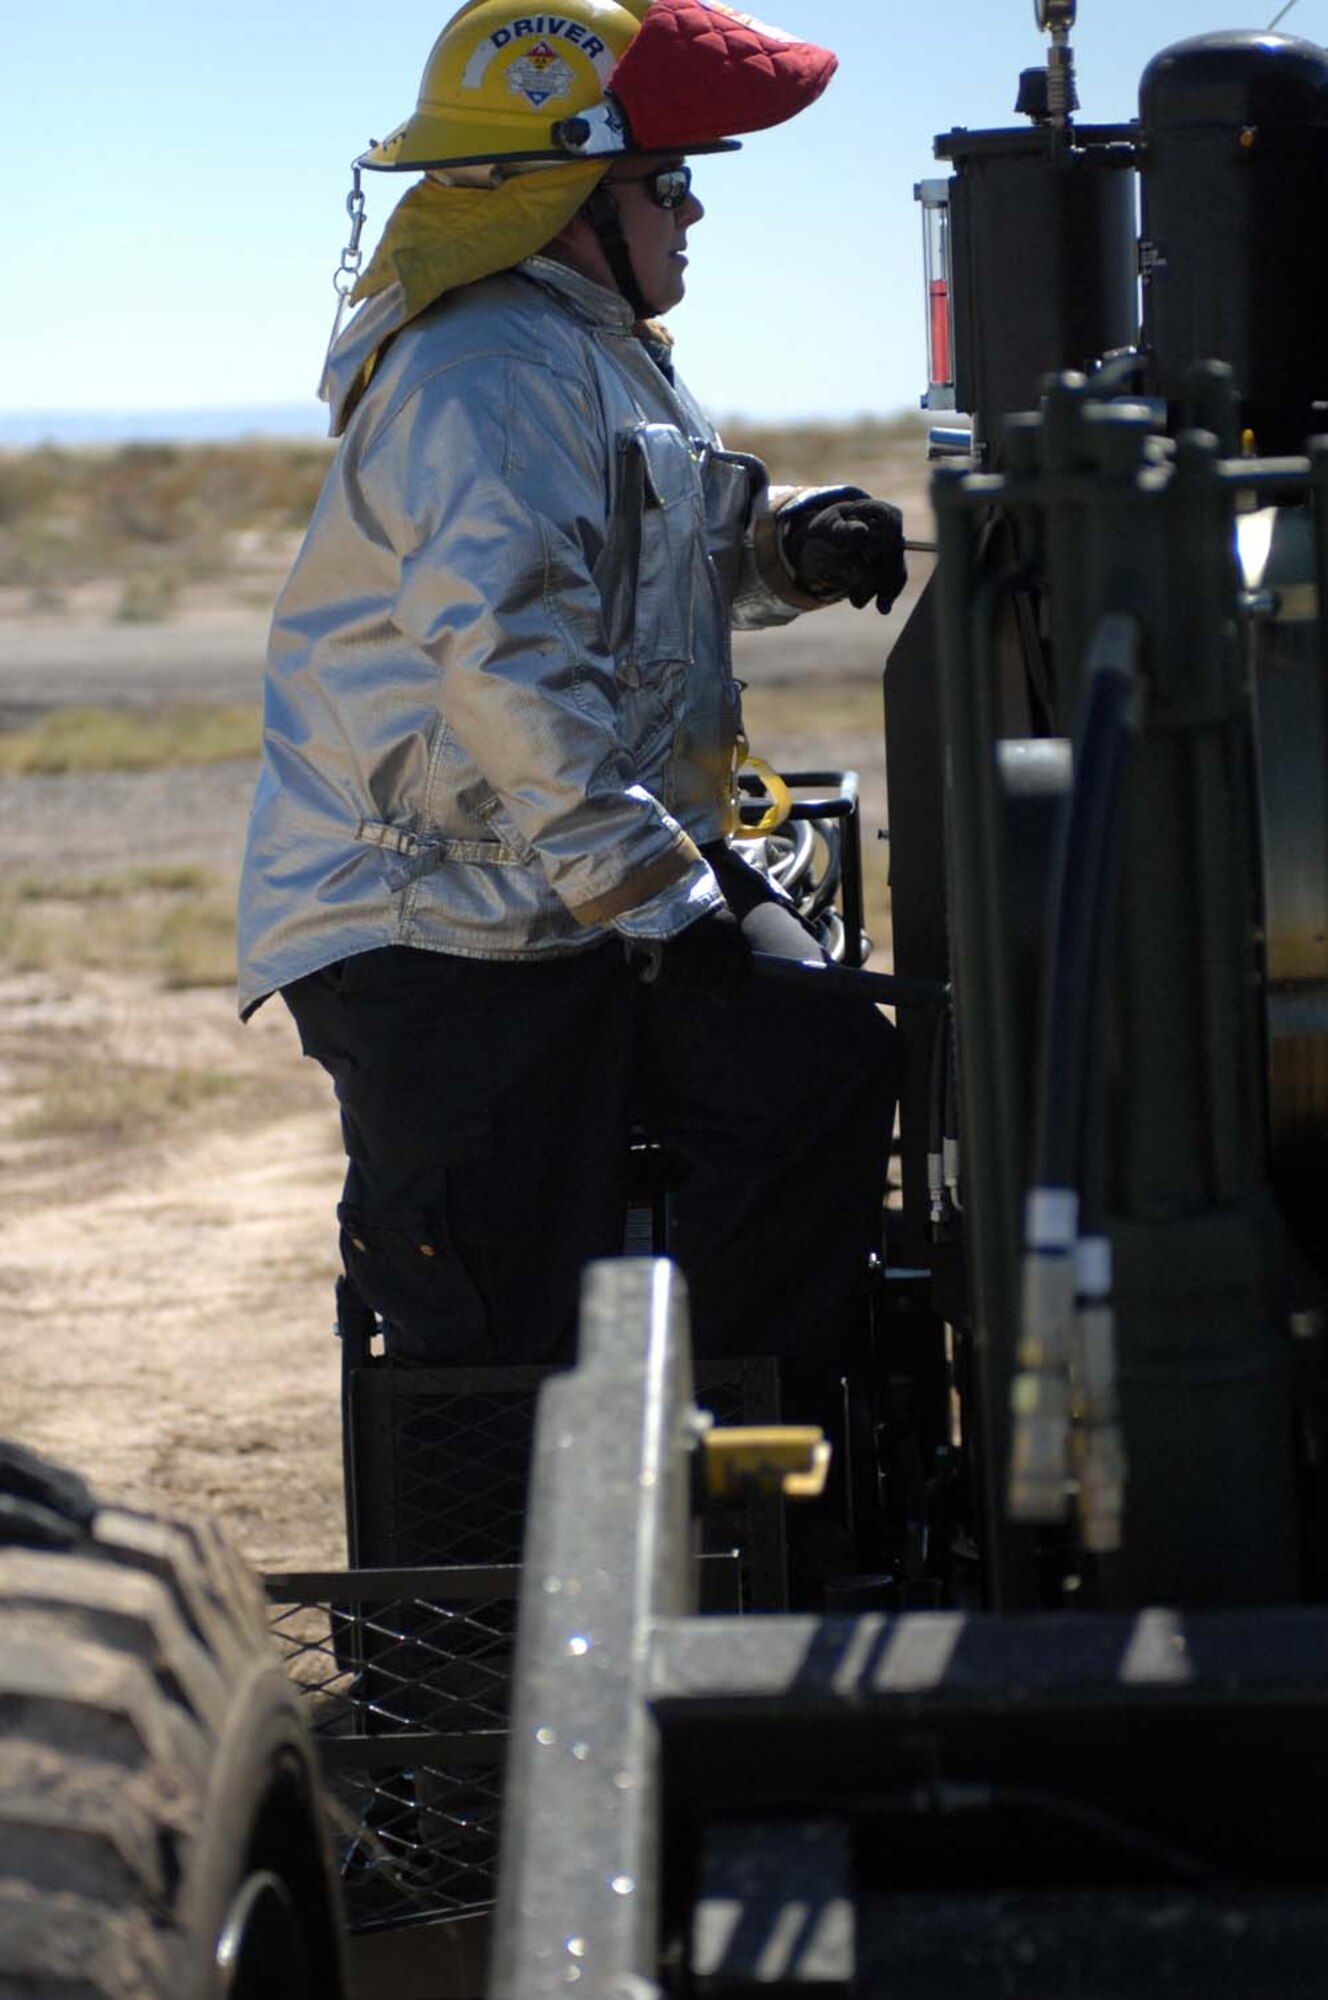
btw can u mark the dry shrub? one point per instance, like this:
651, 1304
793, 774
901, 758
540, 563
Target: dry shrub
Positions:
131, 739
165, 876
148, 599
196, 943
203, 510
113, 1102
871, 452
175, 925
67, 516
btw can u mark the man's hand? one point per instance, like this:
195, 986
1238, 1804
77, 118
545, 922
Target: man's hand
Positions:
711, 956
853, 549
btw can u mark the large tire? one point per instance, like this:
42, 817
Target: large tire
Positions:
161, 1834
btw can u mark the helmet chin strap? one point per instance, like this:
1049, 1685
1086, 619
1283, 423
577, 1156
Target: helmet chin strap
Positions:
601, 212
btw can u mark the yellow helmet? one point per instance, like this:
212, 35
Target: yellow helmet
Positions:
501, 77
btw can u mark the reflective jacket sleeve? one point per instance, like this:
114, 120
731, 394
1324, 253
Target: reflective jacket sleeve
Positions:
772, 565
491, 482
769, 592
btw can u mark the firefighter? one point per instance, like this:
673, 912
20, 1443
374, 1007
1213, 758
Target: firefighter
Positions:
500, 724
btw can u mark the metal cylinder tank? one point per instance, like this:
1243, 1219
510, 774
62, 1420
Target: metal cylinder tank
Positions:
1235, 194
1044, 261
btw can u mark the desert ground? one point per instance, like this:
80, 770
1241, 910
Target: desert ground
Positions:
167, 1177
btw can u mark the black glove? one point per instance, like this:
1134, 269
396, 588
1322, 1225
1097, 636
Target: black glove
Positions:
853, 549
711, 956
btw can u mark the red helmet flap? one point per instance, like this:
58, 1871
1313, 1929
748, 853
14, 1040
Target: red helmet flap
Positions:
698, 71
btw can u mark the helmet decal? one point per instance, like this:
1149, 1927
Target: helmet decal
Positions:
551, 27
540, 75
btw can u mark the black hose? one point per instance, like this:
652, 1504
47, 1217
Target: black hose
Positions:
1083, 878
1091, 1164
936, 1122
845, 982
950, 1116
936, 1089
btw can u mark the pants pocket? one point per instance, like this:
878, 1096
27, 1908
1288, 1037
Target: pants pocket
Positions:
406, 1266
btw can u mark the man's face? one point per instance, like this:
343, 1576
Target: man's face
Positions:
656, 237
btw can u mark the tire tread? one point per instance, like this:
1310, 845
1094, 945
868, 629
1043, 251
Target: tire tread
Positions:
122, 1667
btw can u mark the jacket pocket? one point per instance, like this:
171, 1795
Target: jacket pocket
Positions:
731, 481
662, 510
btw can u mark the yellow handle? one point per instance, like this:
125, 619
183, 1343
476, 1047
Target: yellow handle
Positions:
781, 798
792, 1459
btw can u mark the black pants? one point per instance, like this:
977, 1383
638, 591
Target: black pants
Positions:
487, 1107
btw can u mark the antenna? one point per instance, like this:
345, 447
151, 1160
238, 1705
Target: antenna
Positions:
1056, 18
1280, 15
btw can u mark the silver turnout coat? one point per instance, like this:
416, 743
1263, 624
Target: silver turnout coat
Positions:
500, 713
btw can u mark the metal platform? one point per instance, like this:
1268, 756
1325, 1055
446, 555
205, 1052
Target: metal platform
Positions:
938, 1803
406, 1659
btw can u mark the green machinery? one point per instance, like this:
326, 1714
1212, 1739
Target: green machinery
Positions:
1074, 1744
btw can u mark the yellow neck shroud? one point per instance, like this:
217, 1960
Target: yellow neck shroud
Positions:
439, 237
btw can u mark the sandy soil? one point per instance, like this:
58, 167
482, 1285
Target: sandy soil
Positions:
169, 1300
169, 1295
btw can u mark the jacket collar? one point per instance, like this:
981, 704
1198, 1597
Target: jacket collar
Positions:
591, 302
351, 362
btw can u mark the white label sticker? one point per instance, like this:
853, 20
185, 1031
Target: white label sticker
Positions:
542, 29
539, 75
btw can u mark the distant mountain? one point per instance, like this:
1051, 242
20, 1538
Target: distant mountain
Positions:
20, 429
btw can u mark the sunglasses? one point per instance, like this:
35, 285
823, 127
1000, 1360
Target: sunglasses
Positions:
667, 187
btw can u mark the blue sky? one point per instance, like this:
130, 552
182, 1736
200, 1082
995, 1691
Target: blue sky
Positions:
174, 179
